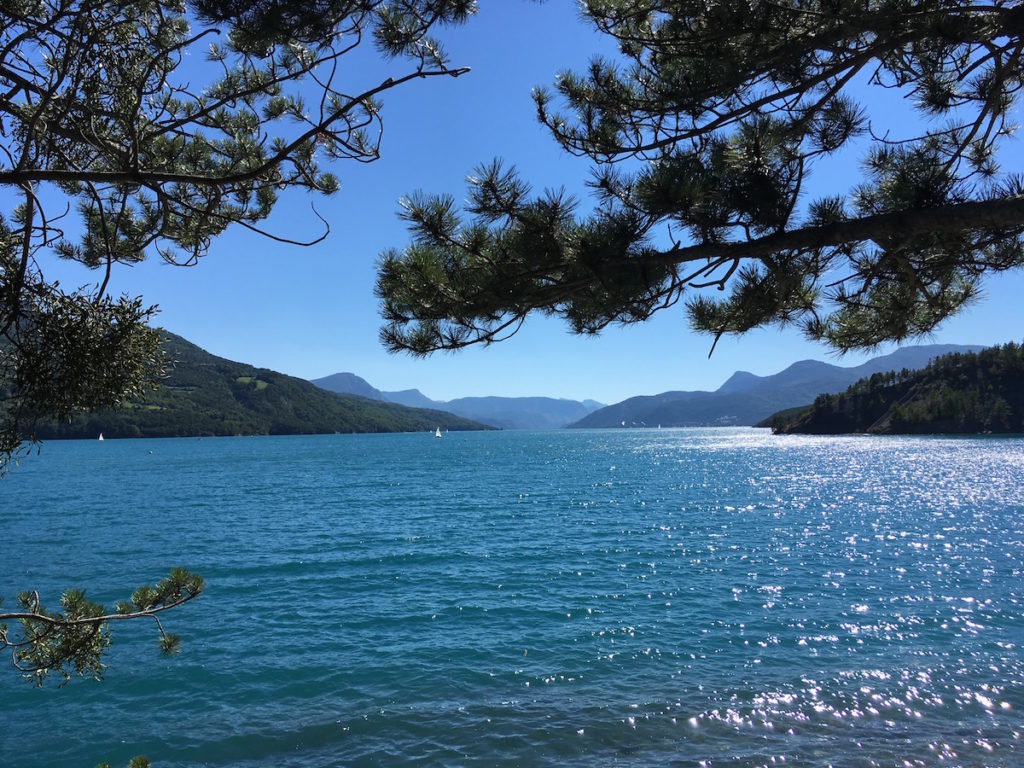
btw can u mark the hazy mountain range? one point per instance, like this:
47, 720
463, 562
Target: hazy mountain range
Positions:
502, 412
746, 399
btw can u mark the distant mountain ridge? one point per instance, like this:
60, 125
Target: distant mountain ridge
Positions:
208, 395
746, 399
501, 412
350, 384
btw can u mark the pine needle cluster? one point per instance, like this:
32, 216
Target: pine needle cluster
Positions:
704, 134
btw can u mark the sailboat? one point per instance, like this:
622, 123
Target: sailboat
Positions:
438, 432
101, 436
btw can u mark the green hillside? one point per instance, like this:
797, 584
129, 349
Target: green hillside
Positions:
960, 393
208, 395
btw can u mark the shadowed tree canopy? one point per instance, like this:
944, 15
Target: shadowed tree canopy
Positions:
135, 128
704, 134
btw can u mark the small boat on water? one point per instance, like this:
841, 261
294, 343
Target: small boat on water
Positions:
101, 436
438, 432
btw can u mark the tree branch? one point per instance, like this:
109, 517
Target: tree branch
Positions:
1004, 213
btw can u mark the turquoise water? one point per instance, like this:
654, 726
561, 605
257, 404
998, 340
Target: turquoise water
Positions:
643, 598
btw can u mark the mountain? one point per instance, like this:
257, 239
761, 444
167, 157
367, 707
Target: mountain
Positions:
957, 393
411, 397
349, 384
810, 378
208, 395
746, 399
683, 409
520, 412
501, 412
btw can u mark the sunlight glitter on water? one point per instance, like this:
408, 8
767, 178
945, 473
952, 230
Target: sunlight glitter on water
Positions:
723, 597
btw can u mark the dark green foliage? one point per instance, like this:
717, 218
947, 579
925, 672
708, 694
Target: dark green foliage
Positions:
96, 116
960, 393
97, 107
73, 641
703, 135
62, 352
139, 761
202, 395
778, 420
396, 27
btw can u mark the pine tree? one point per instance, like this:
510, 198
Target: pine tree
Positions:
704, 134
97, 116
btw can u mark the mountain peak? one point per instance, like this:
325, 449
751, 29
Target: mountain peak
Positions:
349, 384
739, 381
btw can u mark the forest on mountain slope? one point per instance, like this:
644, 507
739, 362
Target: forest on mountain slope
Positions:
206, 395
958, 393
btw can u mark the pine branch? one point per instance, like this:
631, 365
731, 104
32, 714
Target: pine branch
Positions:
73, 642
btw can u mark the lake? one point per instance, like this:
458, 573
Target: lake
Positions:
704, 597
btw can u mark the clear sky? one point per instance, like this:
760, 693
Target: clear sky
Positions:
311, 311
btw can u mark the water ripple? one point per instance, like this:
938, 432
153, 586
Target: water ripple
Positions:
676, 597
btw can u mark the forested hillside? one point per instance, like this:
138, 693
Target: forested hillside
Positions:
974, 392
208, 395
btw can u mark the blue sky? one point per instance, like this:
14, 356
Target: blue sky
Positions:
311, 311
